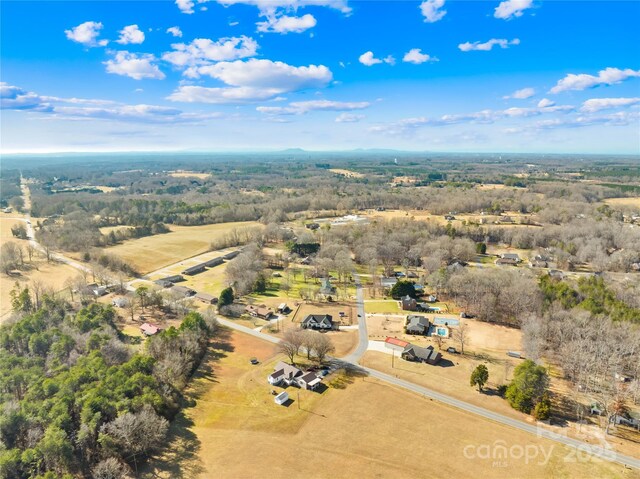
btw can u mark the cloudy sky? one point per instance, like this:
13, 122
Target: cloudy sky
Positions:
440, 75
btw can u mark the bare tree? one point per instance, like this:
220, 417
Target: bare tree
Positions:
9, 256
322, 347
461, 335
288, 349
295, 337
134, 434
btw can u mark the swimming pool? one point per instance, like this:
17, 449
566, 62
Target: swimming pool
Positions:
441, 332
446, 321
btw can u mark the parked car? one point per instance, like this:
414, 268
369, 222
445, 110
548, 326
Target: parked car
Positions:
452, 350
254, 361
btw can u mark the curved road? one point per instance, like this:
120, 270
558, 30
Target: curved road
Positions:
354, 357
357, 354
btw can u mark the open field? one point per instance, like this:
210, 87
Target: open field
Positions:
189, 174
153, 252
105, 230
6, 223
347, 173
234, 430
633, 202
389, 306
50, 275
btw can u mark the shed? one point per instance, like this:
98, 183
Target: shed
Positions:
281, 398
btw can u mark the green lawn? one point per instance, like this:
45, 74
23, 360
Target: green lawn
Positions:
372, 307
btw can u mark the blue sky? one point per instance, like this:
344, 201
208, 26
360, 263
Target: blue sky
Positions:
440, 75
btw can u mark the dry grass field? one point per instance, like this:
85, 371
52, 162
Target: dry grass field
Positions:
633, 202
347, 173
189, 174
154, 252
360, 428
50, 275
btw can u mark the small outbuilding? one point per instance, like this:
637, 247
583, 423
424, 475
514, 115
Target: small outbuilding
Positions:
281, 398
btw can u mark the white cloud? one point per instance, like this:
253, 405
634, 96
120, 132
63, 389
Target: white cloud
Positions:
285, 24
302, 107
348, 118
621, 118
546, 103
368, 59
271, 6
608, 76
130, 34
136, 66
252, 80
15, 98
203, 50
185, 6
269, 74
408, 125
416, 57
597, 104
512, 8
175, 31
431, 10
233, 95
521, 94
87, 33
488, 45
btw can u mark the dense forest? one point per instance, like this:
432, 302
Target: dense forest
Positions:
79, 397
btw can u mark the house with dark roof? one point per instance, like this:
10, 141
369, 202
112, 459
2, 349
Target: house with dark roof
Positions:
513, 256
317, 321
287, 375
538, 263
261, 312
183, 290
421, 355
206, 298
417, 325
506, 262
407, 303
309, 380
284, 373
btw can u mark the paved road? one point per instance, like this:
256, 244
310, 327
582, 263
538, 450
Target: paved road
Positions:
31, 233
363, 335
582, 447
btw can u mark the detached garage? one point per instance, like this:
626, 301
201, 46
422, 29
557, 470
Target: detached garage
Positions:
282, 398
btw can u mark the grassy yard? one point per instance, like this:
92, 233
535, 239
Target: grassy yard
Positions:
383, 306
356, 428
